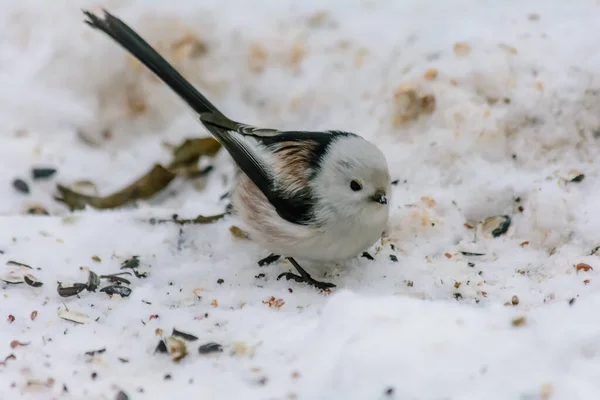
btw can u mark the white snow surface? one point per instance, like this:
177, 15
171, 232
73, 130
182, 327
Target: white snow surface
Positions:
517, 114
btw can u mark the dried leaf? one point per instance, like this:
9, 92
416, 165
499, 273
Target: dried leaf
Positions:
147, 186
190, 151
183, 335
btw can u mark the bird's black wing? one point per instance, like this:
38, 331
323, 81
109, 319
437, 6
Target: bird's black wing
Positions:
306, 148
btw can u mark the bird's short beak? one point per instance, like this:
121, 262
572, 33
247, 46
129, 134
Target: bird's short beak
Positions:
380, 197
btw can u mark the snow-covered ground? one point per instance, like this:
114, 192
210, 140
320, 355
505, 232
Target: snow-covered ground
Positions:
482, 108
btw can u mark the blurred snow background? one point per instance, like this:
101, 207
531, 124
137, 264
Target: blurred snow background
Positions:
482, 108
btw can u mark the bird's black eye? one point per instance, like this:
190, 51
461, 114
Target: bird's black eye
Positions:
355, 185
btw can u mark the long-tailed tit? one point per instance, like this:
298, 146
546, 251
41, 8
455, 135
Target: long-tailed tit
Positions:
318, 196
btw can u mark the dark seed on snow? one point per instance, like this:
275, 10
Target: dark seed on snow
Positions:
40, 173
211, 347
469, 254
94, 352
220, 281
93, 281
133, 262
457, 296
122, 291
161, 347
395, 181
470, 264
18, 264
367, 256
572, 301
184, 335
389, 391
578, 178
261, 275
116, 279
21, 186
140, 274
122, 396
393, 258
68, 291
32, 281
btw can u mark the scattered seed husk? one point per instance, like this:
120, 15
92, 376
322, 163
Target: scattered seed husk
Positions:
140, 275
74, 316
520, 321
211, 347
133, 262
21, 186
578, 178
94, 352
496, 226
93, 281
8, 357
190, 151
147, 186
42, 173
583, 267
37, 210
122, 291
367, 256
18, 264
199, 220
71, 290
176, 347
183, 335
96, 259
239, 233
32, 280
469, 254
514, 300
16, 343
33, 315
122, 396
161, 347
115, 278
12, 279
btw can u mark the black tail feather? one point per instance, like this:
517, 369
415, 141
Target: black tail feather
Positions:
147, 55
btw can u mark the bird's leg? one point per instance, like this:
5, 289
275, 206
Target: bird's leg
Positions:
304, 277
270, 259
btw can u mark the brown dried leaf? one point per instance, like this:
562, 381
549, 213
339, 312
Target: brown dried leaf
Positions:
189, 152
147, 186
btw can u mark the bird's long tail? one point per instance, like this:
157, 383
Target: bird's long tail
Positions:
140, 49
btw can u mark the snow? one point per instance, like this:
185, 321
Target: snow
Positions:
516, 115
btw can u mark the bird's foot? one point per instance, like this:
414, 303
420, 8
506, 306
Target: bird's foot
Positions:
304, 277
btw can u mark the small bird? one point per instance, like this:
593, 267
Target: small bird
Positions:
317, 196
